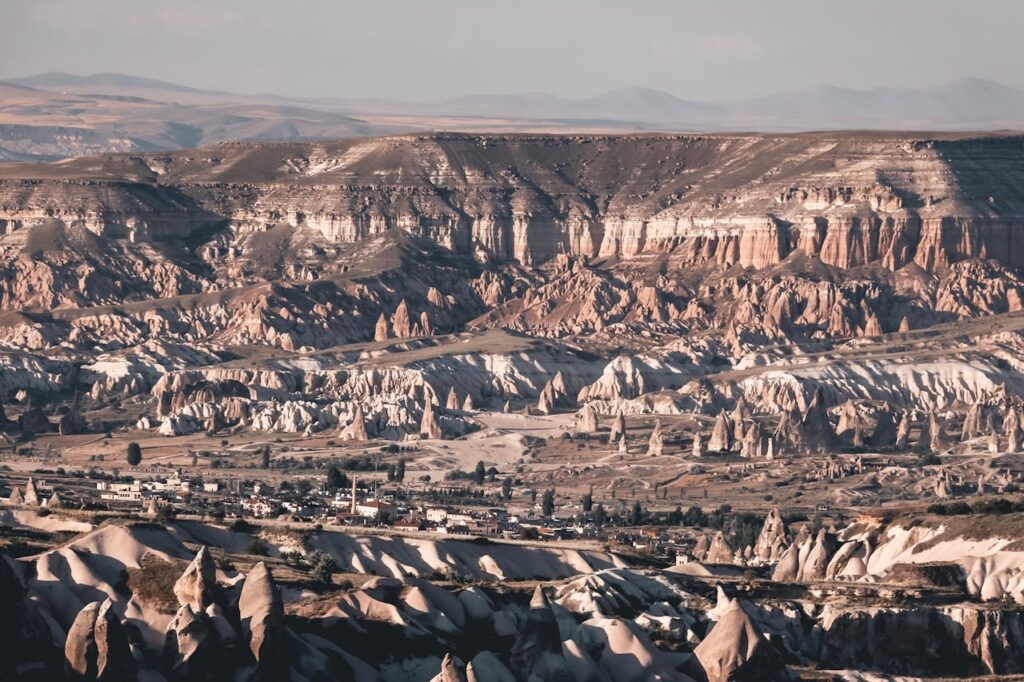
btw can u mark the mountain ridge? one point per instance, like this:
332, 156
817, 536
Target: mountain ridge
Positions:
56, 115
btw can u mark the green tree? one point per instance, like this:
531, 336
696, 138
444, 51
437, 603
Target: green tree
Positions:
587, 503
600, 515
695, 517
478, 473
636, 514
134, 454
324, 566
506, 489
336, 479
547, 503
400, 471
265, 456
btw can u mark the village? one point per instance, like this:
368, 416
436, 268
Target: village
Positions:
345, 502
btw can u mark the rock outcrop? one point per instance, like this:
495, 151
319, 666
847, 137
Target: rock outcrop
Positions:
261, 611
736, 651
196, 586
773, 539
97, 646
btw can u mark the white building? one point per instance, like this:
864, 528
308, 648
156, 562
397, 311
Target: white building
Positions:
123, 492
260, 507
375, 509
437, 514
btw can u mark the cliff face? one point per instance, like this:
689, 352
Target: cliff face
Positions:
709, 200
714, 253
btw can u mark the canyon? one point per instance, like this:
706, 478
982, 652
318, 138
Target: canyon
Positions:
815, 339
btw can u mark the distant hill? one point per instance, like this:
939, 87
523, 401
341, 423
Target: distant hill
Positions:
52, 115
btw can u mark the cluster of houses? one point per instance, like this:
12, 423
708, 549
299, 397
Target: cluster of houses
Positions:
353, 507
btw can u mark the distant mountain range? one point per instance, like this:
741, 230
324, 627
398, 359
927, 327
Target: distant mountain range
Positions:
54, 115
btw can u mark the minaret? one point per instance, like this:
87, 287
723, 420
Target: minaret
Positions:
353, 496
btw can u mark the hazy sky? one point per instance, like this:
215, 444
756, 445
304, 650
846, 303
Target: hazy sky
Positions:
434, 49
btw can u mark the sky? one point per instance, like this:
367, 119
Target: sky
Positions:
431, 50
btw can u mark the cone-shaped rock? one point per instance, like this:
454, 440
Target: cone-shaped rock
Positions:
721, 434
356, 430
401, 322
31, 494
790, 429
735, 651
429, 428
656, 444
380, 333
1011, 429
191, 650
751, 446
195, 588
537, 651
618, 428
816, 563
742, 412
261, 611
817, 429
452, 403
788, 568
544, 403
587, 420
720, 552
96, 647
451, 670
774, 537
903, 431
700, 548
973, 422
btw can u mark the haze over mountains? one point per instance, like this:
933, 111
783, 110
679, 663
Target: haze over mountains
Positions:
55, 115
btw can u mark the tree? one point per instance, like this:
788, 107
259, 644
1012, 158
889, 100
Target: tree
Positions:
506, 489
636, 514
547, 503
400, 471
587, 503
600, 515
392, 472
533, 497
695, 517
478, 473
265, 463
134, 456
336, 479
324, 566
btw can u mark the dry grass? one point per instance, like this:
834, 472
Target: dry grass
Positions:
153, 584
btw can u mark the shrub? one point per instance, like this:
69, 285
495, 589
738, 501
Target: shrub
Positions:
259, 547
